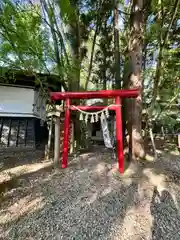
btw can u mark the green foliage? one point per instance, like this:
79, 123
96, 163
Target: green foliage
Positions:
21, 36
56, 37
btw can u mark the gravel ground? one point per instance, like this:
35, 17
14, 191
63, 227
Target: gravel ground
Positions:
90, 200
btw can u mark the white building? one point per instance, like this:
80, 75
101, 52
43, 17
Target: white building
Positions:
22, 109
21, 101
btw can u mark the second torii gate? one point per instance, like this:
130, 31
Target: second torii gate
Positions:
116, 94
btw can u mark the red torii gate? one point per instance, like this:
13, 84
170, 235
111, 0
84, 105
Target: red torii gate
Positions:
116, 94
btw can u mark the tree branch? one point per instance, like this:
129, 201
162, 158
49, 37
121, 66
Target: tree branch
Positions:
93, 45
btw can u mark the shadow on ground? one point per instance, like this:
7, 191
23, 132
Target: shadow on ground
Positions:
166, 216
89, 200
10, 159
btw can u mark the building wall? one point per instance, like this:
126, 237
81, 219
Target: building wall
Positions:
21, 132
16, 100
17, 132
39, 105
21, 102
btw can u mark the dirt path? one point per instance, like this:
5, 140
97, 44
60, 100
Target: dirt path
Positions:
89, 200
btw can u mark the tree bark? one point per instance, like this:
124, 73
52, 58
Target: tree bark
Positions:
116, 48
98, 26
163, 40
135, 81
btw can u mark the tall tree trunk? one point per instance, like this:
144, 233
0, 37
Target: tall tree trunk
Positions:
125, 101
116, 48
104, 76
98, 27
135, 59
163, 40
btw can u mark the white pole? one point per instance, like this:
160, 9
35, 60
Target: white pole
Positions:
57, 140
72, 137
48, 146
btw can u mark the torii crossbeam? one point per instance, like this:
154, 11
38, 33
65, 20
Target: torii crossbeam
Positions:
116, 94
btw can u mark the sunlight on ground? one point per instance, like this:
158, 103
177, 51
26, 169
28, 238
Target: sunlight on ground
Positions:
23, 206
106, 191
139, 216
157, 180
93, 198
149, 158
136, 215
137, 184
175, 153
6, 175
101, 169
159, 151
